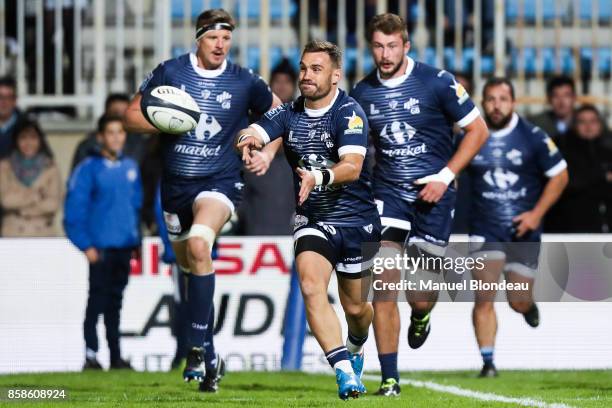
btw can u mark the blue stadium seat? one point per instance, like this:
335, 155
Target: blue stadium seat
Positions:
196, 7
603, 53
276, 55
512, 10
350, 61
605, 9
253, 8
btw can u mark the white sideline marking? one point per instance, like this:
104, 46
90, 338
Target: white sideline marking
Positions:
483, 396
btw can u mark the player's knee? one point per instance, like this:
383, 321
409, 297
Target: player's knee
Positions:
312, 288
483, 307
198, 249
200, 242
520, 307
356, 310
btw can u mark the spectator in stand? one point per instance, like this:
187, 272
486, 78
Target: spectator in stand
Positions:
102, 219
30, 185
561, 94
263, 212
586, 204
10, 115
116, 104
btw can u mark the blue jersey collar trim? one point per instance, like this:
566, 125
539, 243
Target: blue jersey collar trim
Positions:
206, 73
397, 81
509, 128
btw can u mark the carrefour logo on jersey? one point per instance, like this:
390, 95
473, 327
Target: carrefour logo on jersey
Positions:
203, 151
355, 124
502, 180
409, 151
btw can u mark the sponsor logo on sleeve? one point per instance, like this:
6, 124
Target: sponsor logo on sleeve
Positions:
273, 112
552, 147
355, 124
460, 92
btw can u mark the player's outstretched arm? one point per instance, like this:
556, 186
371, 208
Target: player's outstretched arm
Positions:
476, 134
134, 121
530, 220
248, 140
261, 159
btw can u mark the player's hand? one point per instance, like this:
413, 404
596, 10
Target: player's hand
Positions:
306, 186
92, 255
245, 144
260, 162
432, 192
525, 222
435, 185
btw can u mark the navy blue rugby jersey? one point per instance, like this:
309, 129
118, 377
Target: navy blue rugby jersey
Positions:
411, 121
317, 139
225, 97
509, 173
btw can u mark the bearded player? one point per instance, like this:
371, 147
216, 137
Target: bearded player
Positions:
324, 135
412, 108
515, 178
201, 183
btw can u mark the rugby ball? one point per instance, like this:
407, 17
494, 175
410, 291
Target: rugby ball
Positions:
170, 109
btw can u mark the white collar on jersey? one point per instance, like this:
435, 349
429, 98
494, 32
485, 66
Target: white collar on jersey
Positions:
509, 127
316, 113
206, 73
393, 82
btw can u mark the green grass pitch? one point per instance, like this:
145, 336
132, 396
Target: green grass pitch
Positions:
273, 389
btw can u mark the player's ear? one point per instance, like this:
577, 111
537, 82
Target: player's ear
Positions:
407, 47
336, 75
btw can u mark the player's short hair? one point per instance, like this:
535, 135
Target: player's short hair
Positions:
496, 81
116, 97
9, 82
331, 49
559, 81
106, 119
214, 19
387, 23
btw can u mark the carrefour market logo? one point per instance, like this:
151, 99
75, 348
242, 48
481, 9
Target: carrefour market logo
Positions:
355, 124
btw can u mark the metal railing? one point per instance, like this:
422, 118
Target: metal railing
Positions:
106, 46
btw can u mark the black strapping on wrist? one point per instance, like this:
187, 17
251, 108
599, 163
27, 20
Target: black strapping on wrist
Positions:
326, 176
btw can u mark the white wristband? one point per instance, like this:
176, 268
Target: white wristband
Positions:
318, 176
446, 176
323, 177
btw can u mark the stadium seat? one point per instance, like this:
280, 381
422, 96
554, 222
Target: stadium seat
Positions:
605, 9
253, 8
196, 7
512, 10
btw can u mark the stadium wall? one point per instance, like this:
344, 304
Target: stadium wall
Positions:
43, 288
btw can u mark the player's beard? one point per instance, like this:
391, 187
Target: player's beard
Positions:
387, 75
500, 122
318, 93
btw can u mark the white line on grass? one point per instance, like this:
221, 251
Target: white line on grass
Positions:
483, 396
